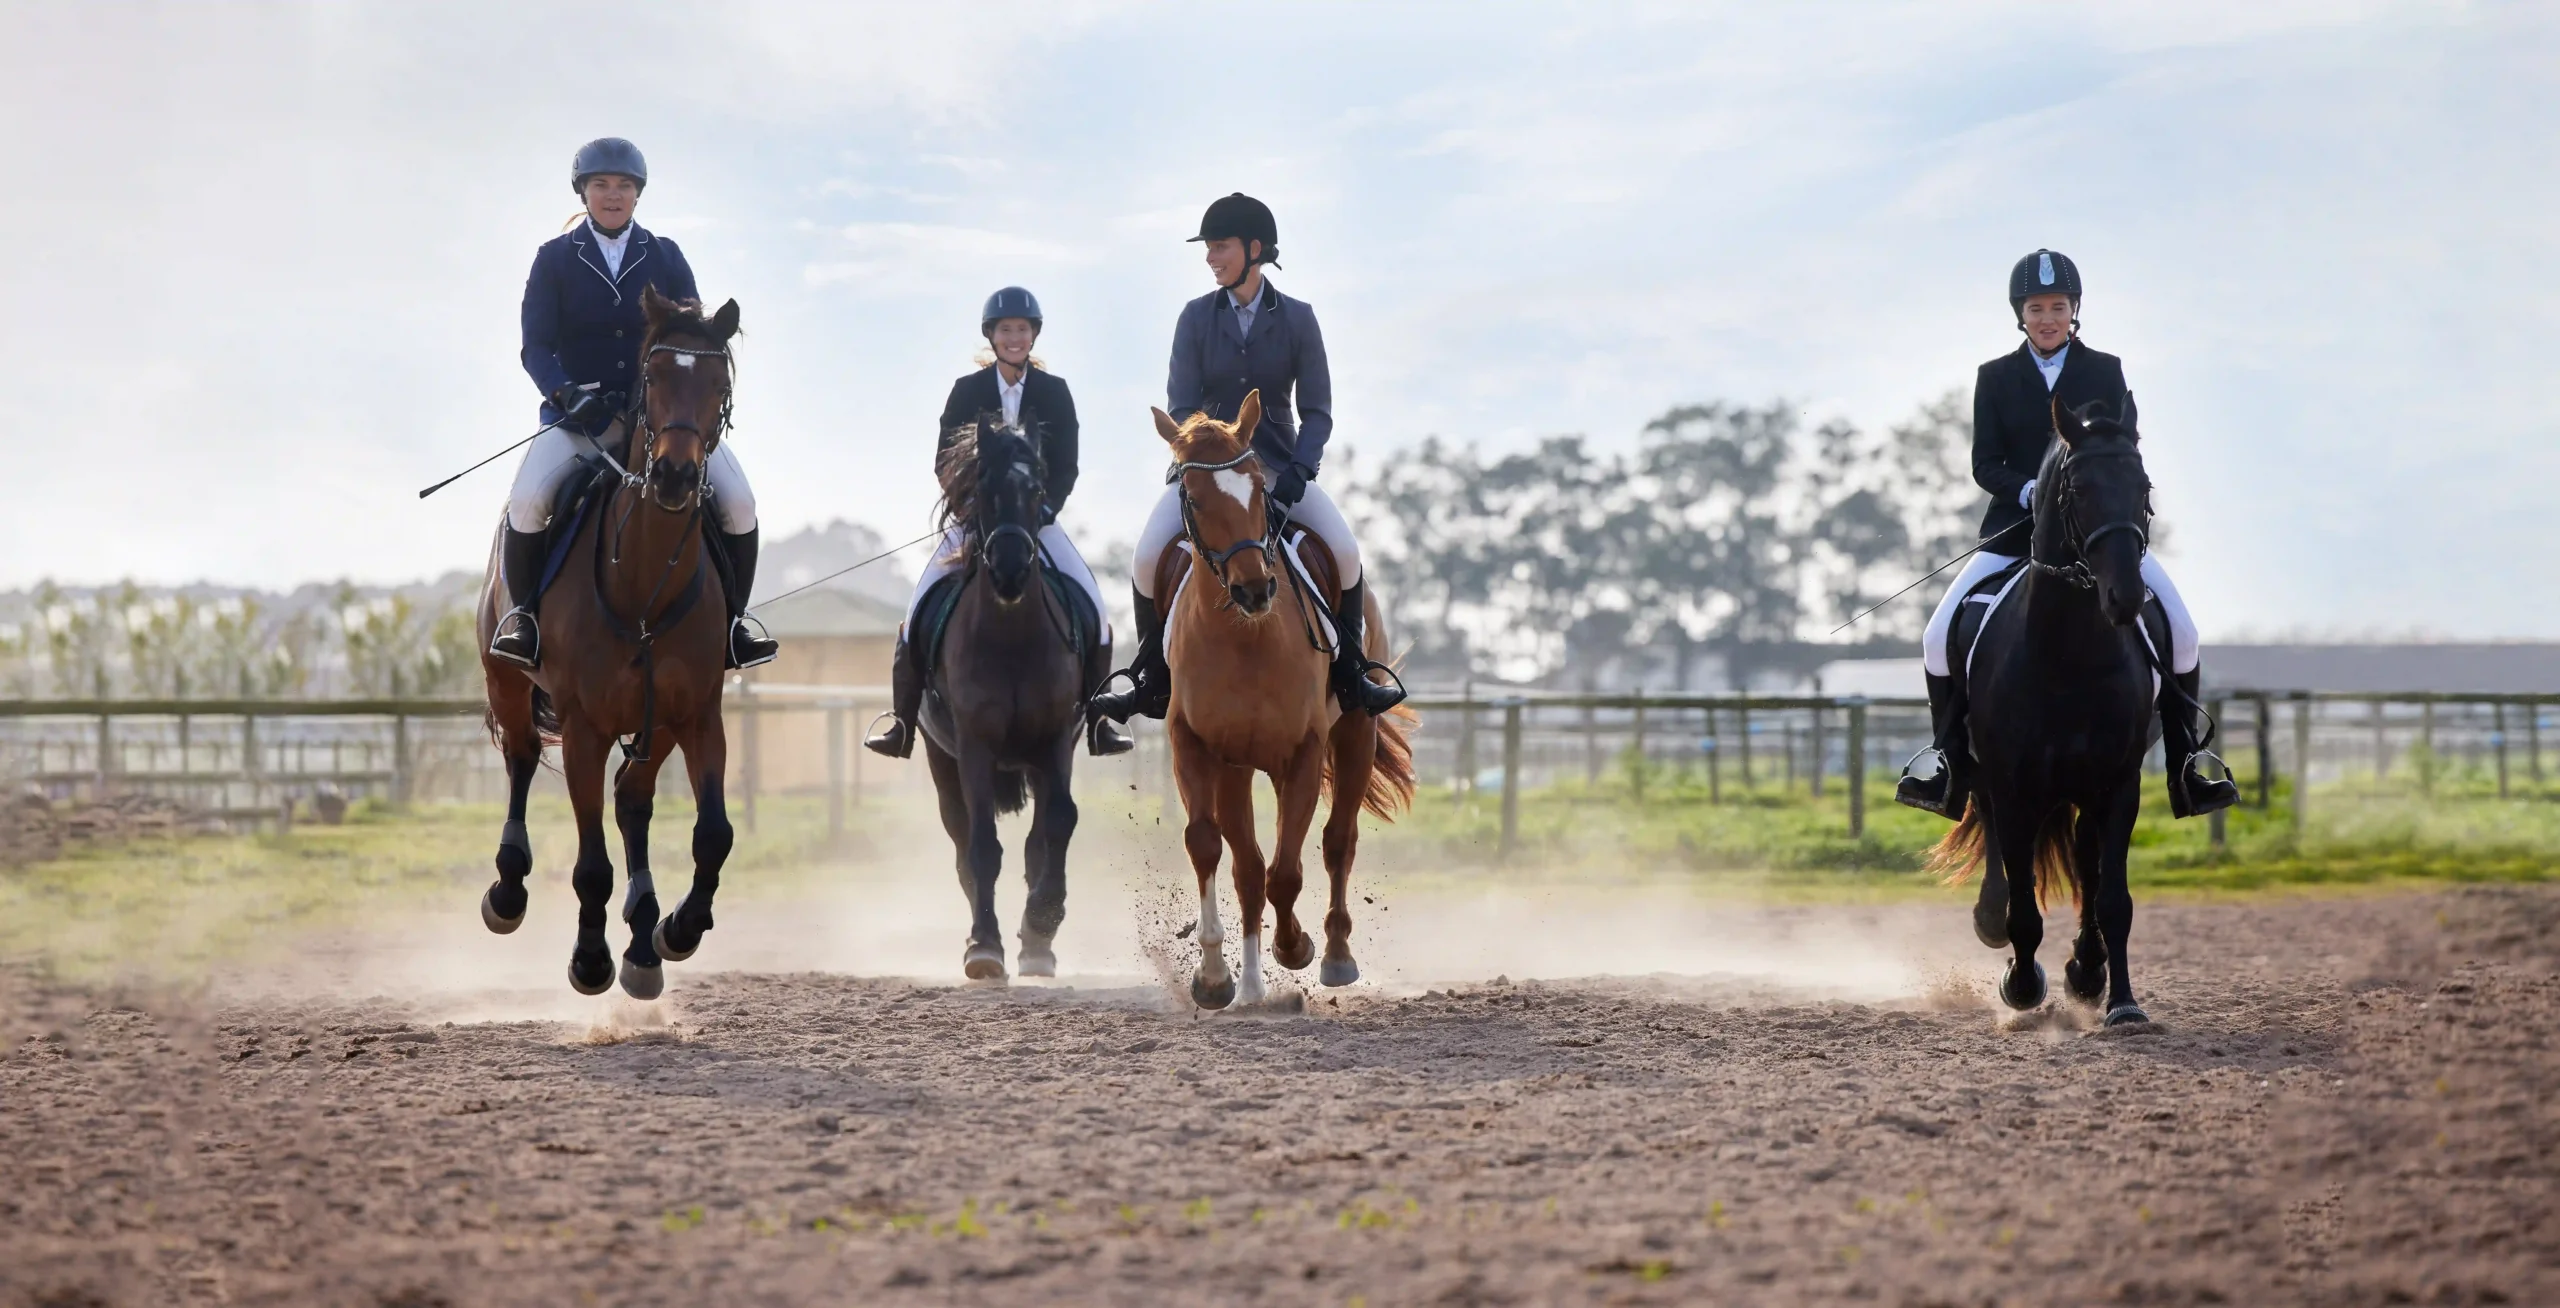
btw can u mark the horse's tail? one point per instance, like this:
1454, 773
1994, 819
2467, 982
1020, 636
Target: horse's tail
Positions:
1391, 772
546, 718
1012, 791
1959, 856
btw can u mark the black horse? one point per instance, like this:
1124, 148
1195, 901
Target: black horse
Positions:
1006, 694
2061, 681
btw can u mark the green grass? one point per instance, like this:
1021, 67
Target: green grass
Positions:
1773, 839
167, 906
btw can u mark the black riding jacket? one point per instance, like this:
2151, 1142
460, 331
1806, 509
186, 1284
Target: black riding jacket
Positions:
2013, 423
1048, 411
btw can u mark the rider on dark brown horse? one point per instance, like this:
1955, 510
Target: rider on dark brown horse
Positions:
2013, 402
582, 330
1027, 395
1242, 338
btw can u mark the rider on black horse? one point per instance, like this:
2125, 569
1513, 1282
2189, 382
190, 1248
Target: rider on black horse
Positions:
1241, 338
582, 333
1035, 399
2013, 398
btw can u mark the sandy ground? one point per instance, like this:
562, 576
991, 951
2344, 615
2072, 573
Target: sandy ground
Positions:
2342, 1101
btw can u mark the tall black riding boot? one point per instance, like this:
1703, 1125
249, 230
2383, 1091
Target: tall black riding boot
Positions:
518, 640
1940, 778
1351, 661
906, 699
1150, 690
2191, 791
749, 646
1103, 737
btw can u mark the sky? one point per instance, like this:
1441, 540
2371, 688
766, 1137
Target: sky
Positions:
267, 259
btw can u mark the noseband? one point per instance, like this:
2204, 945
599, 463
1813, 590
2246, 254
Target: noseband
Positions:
646, 433
2077, 572
1217, 559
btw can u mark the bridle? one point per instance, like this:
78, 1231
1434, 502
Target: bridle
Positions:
1267, 542
2077, 571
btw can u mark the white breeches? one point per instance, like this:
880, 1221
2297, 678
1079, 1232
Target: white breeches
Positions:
949, 555
555, 452
2183, 647
1314, 511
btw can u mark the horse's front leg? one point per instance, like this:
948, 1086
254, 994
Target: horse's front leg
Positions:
1298, 791
582, 757
2014, 826
983, 959
706, 761
502, 906
2113, 897
1235, 822
635, 792
1196, 776
2084, 976
1044, 859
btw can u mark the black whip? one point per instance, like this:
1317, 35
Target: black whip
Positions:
1978, 547
485, 462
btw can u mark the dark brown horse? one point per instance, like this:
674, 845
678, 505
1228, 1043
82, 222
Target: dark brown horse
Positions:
1007, 695
1250, 695
635, 631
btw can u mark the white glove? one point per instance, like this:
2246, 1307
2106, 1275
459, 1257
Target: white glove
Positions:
2027, 495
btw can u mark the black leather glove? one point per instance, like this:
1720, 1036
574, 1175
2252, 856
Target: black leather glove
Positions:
581, 408
1289, 485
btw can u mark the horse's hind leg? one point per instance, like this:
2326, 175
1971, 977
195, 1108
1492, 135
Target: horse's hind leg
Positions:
1991, 898
1355, 756
1235, 822
2023, 986
706, 758
1196, 775
502, 906
582, 758
2114, 900
2084, 976
1044, 860
954, 804
635, 792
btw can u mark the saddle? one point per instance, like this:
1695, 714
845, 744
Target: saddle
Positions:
933, 619
1319, 578
1975, 610
580, 494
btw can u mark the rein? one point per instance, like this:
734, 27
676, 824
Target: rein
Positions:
1267, 543
2076, 572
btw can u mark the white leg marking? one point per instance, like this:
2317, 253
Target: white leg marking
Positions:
1213, 937
1249, 990
1238, 484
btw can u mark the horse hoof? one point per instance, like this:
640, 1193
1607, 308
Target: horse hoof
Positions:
1040, 961
664, 943
1339, 971
2022, 990
2084, 983
495, 920
603, 977
983, 962
642, 982
1991, 926
1297, 957
2126, 1015
1213, 995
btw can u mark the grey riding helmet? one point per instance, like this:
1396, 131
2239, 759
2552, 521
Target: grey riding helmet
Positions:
2045, 272
1011, 302
607, 154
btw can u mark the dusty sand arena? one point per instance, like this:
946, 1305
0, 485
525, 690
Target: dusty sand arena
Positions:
2342, 1101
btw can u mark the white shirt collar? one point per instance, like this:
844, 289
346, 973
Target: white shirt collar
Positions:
2050, 368
1009, 393
611, 247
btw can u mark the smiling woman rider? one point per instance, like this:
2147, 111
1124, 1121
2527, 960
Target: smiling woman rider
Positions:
582, 332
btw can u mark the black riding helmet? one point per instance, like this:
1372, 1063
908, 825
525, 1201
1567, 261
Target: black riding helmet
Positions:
607, 154
2045, 272
1011, 302
1246, 219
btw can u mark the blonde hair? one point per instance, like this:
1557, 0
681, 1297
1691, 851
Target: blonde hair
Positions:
986, 357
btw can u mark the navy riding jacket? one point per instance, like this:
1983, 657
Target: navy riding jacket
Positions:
581, 324
1048, 409
2013, 423
1214, 368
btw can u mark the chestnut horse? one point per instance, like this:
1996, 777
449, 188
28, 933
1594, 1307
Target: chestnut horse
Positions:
1250, 695
634, 644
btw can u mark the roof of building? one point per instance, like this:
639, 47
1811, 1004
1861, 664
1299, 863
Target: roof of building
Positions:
828, 611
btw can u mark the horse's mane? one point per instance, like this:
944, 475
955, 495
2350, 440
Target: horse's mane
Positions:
956, 467
687, 320
1198, 428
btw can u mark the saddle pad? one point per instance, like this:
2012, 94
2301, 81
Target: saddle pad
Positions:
569, 511
933, 616
1984, 599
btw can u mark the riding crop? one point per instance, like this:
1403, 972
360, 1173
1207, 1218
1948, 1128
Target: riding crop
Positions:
1978, 547
485, 462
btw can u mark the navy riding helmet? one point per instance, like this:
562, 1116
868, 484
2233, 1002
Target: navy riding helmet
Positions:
1011, 302
607, 154
2045, 272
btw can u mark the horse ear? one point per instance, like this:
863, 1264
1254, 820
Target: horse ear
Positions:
655, 307
2067, 425
2130, 419
1166, 427
1248, 416
724, 324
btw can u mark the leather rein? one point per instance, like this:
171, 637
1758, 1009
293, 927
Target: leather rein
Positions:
2077, 572
1268, 543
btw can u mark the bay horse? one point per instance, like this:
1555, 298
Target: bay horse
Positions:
2063, 710
1006, 693
1250, 694
635, 635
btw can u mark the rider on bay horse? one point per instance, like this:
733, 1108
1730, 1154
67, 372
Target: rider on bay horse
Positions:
1241, 338
1029, 396
582, 333
2013, 398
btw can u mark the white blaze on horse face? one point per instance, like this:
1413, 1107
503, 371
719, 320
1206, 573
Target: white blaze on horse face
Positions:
1238, 484
684, 360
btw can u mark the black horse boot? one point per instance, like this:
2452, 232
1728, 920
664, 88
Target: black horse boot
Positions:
1102, 736
749, 646
1940, 778
518, 640
1150, 691
1351, 662
906, 699
2190, 791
